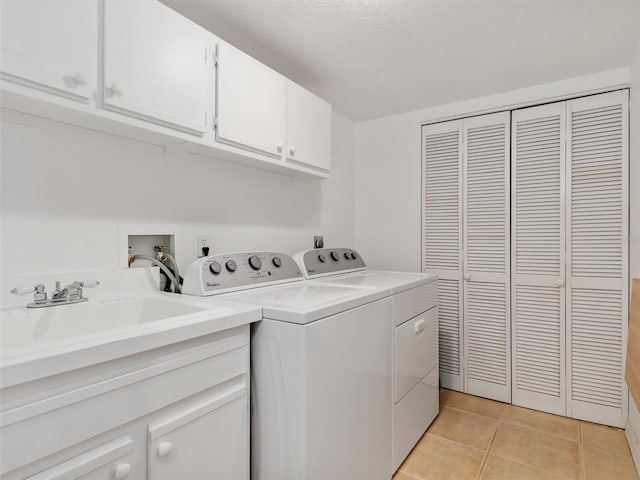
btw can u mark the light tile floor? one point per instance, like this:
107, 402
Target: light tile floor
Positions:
478, 439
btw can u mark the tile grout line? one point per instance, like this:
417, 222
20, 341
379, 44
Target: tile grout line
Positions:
502, 420
453, 442
471, 413
533, 467
560, 437
486, 455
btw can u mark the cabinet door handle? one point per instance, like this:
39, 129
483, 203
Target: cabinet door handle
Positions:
559, 282
115, 88
121, 471
81, 78
292, 150
164, 448
279, 147
418, 326
467, 276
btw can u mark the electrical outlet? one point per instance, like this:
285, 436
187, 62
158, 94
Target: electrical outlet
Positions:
204, 245
318, 241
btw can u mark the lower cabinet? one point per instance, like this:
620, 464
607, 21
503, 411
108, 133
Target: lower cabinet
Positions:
110, 461
206, 439
178, 412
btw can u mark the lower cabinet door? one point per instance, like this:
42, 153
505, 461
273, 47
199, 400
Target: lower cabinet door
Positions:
203, 439
110, 461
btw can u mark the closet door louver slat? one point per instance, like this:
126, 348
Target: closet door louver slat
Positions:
538, 257
486, 256
441, 239
598, 256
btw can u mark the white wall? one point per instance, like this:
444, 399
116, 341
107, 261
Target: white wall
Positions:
65, 191
388, 189
634, 226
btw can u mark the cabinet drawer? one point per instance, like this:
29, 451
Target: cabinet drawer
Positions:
408, 304
416, 351
204, 439
110, 461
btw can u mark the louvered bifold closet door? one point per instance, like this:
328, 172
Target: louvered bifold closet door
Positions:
442, 238
486, 257
597, 299
538, 257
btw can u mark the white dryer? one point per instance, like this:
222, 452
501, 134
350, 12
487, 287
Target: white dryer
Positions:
321, 368
414, 336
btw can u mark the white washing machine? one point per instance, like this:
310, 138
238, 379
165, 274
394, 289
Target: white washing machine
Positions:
414, 323
321, 368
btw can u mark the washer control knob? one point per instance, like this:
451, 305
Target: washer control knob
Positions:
334, 256
354, 255
322, 258
277, 262
347, 256
231, 266
255, 262
215, 268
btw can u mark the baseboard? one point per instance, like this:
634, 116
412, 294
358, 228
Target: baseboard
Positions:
633, 433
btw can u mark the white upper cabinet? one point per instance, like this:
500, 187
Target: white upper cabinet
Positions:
308, 128
51, 45
155, 64
250, 103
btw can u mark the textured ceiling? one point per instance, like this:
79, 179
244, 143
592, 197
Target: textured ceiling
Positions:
372, 58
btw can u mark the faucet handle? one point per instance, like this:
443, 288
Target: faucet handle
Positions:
90, 283
24, 290
38, 291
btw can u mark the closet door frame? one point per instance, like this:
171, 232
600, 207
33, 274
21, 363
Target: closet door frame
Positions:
579, 409
486, 388
447, 380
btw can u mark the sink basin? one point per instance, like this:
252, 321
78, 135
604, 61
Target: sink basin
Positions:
26, 327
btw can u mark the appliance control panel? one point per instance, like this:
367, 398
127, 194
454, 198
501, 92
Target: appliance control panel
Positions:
320, 262
229, 272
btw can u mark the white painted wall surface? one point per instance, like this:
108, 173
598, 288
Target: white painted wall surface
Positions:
65, 191
634, 225
388, 166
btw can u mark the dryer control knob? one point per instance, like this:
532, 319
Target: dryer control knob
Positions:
334, 256
277, 262
322, 258
231, 266
255, 262
215, 268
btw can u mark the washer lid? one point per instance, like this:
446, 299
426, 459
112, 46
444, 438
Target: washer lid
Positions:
309, 301
394, 282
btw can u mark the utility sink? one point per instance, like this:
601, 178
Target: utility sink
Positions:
32, 327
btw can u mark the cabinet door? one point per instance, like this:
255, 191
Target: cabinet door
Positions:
442, 238
51, 45
203, 440
308, 128
110, 461
538, 259
597, 267
250, 103
486, 246
155, 64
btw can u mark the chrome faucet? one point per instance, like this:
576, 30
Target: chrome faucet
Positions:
68, 295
